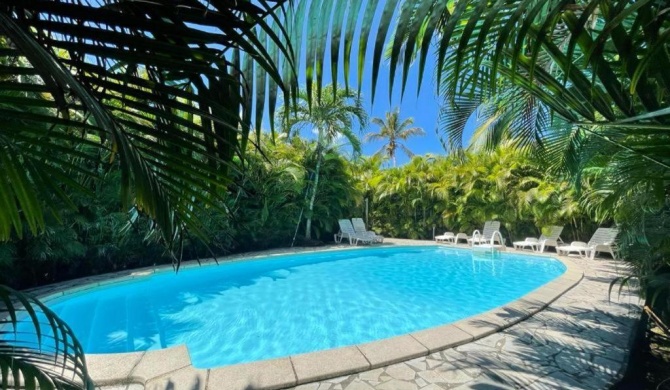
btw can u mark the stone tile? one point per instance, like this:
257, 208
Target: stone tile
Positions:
308, 386
433, 363
400, 371
436, 339
112, 368
338, 379
432, 386
395, 384
573, 363
187, 378
324, 364
507, 315
556, 380
418, 364
358, 386
160, 362
478, 326
392, 350
372, 375
545, 296
606, 366
448, 374
130, 386
265, 374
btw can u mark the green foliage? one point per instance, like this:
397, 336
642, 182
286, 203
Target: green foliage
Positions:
164, 93
262, 209
460, 192
37, 349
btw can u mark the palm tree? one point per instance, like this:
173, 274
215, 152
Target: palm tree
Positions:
394, 131
330, 117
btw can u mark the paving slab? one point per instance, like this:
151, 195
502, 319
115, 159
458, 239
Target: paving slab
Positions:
110, 369
159, 362
266, 374
187, 378
442, 337
392, 350
329, 363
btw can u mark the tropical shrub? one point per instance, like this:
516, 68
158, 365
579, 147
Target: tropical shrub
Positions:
460, 192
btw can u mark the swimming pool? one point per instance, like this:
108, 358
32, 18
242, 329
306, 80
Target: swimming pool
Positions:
267, 308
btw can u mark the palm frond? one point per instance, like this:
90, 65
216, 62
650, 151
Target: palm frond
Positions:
154, 90
38, 349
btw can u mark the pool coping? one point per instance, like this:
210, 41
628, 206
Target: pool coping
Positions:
173, 365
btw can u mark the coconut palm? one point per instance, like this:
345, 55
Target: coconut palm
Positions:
331, 116
393, 131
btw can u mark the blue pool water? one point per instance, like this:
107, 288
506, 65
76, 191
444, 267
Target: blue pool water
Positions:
261, 309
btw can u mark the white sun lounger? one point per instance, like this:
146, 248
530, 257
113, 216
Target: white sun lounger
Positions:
538, 244
485, 236
359, 228
447, 237
347, 231
491, 245
461, 236
603, 240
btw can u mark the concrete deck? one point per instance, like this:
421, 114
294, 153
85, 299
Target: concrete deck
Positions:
574, 338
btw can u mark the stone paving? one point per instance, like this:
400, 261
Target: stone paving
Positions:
580, 341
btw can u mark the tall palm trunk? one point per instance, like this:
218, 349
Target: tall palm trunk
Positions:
308, 223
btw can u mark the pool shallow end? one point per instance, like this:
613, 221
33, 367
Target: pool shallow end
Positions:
172, 367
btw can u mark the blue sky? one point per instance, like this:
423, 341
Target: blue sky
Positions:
424, 108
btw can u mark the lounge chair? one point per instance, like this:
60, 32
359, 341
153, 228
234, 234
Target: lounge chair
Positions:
359, 228
347, 231
603, 240
447, 237
538, 244
485, 235
461, 236
491, 244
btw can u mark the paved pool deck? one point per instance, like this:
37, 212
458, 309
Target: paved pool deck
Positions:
567, 334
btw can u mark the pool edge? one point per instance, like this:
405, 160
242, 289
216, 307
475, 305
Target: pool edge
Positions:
173, 365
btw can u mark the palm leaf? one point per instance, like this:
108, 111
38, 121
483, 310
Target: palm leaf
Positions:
161, 97
38, 349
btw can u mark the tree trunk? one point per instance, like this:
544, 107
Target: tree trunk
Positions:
308, 224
